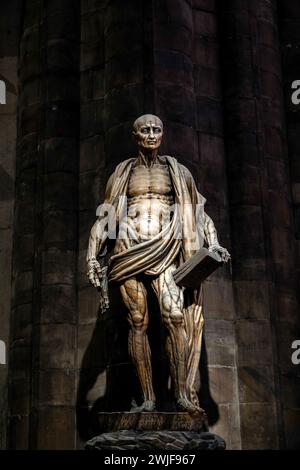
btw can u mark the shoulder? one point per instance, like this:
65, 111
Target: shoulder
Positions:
121, 168
162, 158
181, 168
120, 171
123, 165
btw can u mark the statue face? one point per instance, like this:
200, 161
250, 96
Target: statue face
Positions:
148, 131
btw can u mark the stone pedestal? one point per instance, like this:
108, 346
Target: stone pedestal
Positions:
154, 431
151, 421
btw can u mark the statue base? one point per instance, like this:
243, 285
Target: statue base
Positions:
152, 421
156, 441
155, 431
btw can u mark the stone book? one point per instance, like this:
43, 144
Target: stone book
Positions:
197, 268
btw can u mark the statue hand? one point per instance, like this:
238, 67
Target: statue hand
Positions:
222, 252
94, 272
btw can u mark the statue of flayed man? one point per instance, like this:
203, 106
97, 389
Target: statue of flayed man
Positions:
161, 223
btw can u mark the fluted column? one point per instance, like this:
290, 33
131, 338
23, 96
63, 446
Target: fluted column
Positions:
289, 35
262, 234
43, 346
10, 18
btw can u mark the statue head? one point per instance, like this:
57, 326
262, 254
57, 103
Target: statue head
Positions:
148, 131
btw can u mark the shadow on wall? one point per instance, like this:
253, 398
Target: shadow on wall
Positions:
107, 354
6, 185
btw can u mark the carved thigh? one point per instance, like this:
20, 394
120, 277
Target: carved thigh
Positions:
170, 297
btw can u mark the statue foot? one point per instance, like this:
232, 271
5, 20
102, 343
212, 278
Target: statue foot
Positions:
148, 405
186, 405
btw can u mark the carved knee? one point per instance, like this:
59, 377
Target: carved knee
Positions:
137, 321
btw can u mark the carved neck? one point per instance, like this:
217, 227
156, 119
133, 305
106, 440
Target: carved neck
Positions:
147, 158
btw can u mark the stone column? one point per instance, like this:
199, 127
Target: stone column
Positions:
9, 26
289, 29
262, 237
91, 354
43, 346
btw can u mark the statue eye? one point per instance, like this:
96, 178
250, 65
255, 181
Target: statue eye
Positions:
157, 130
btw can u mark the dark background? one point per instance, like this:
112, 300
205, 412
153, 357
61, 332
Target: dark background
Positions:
219, 74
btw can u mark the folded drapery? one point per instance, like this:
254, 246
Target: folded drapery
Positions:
150, 257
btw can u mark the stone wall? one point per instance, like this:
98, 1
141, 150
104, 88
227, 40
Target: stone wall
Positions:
289, 35
252, 118
212, 71
44, 309
9, 27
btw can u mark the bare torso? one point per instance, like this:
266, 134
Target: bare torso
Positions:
149, 198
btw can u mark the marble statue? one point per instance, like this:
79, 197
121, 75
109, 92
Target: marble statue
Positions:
156, 216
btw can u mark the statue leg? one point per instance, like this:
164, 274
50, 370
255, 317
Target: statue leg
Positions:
135, 298
194, 323
170, 298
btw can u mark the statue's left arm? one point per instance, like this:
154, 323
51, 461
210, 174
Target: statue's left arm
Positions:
209, 229
211, 238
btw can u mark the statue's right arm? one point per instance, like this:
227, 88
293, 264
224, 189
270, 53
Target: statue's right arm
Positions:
96, 240
98, 236
98, 233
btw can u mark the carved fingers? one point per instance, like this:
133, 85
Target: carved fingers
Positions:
94, 272
221, 251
